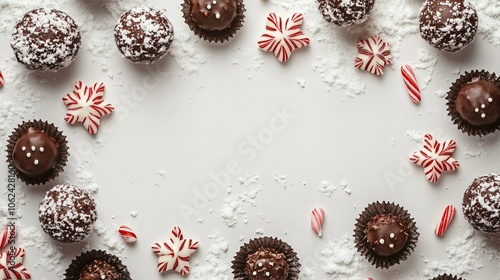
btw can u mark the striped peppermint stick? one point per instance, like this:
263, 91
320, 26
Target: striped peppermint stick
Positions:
2, 80
411, 83
127, 234
317, 218
4, 237
446, 218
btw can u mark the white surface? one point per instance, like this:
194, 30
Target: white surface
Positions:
155, 154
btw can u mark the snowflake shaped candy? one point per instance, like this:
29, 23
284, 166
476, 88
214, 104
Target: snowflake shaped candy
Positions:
373, 54
11, 265
282, 37
174, 253
85, 105
435, 157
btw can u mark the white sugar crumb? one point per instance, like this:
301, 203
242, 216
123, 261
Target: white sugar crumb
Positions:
427, 62
217, 264
301, 83
464, 256
441, 93
340, 259
200, 220
415, 136
134, 213
110, 238
280, 180
249, 180
234, 206
307, 273
162, 173
345, 187
327, 188
259, 231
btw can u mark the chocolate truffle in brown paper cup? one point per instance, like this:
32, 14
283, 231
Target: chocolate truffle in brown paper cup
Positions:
266, 257
38, 151
94, 264
385, 234
446, 277
474, 103
214, 20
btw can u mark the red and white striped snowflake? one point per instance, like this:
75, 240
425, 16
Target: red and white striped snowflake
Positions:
373, 54
85, 105
435, 157
283, 36
11, 265
174, 254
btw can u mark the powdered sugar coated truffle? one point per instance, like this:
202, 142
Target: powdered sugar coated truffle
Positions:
67, 213
46, 39
345, 12
143, 35
481, 204
448, 25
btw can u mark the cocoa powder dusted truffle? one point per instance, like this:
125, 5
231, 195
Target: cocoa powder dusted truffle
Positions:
345, 13
266, 264
46, 39
481, 203
67, 213
474, 103
214, 20
448, 25
143, 35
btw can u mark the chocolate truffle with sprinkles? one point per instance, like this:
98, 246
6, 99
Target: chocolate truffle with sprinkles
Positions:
143, 35
97, 265
345, 13
474, 103
46, 39
481, 203
67, 213
214, 20
448, 25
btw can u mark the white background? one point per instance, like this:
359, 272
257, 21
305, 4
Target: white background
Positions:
157, 150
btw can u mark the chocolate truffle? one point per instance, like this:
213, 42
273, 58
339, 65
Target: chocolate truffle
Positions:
46, 39
38, 151
266, 264
98, 270
266, 258
214, 20
143, 35
386, 234
448, 25
474, 102
35, 153
446, 277
67, 213
478, 102
481, 203
345, 13
96, 265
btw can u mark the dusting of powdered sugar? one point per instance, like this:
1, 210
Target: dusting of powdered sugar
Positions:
340, 259
111, 240
427, 62
216, 264
52, 255
235, 206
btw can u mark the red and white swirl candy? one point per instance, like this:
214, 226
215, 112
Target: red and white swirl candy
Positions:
411, 83
317, 219
5, 237
446, 218
2, 81
127, 234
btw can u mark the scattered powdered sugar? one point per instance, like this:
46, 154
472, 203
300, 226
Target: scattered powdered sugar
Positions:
415, 136
216, 264
327, 188
52, 255
427, 62
441, 93
340, 258
234, 208
111, 240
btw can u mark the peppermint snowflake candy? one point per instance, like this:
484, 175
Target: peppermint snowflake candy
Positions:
446, 218
435, 157
2, 81
411, 83
85, 105
373, 55
282, 37
15, 270
317, 218
127, 234
174, 253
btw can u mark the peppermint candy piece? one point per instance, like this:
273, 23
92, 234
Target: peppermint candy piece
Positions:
11, 265
373, 55
435, 157
411, 83
317, 218
6, 236
174, 253
446, 218
85, 105
127, 234
283, 36
2, 81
